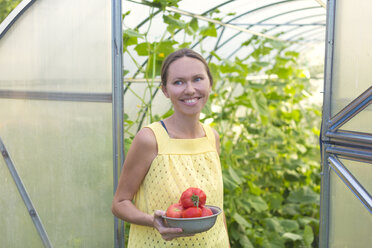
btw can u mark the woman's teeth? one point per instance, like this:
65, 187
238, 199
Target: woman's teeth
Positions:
190, 100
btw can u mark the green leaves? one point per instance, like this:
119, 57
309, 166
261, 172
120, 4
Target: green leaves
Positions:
303, 195
243, 223
209, 30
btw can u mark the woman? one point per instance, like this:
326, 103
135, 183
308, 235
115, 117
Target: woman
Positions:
170, 156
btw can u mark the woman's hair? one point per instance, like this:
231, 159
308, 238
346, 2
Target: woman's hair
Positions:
185, 52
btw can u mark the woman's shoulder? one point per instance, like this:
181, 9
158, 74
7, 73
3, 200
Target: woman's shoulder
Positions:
145, 140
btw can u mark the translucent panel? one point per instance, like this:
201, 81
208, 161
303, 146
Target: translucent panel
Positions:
352, 60
63, 153
361, 171
15, 221
61, 149
59, 46
362, 122
349, 220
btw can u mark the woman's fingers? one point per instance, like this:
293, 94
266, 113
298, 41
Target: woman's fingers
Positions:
167, 233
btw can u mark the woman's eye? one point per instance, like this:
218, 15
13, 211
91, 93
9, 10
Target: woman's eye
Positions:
178, 82
198, 79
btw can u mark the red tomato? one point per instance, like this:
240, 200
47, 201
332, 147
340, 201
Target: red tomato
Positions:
192, 212
193, 197
175, 210
206, 211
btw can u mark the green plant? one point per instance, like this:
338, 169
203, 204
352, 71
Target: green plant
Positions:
270, 155
6, 6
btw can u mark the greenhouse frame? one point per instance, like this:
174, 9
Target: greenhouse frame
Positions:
79, 78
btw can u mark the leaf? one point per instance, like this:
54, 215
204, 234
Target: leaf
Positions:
258, 203
194, 24
273, 225
132, 33
303, 195
142, 49
209, 30
234, 175
241, 221
275, 200
174, 21
308, 235
130, 37
245, 242
291, 176
259, 103
289, 225
292, 236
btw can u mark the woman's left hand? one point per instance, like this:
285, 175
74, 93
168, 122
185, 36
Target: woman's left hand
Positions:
167, 233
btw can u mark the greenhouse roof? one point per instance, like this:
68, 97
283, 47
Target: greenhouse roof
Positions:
301, 22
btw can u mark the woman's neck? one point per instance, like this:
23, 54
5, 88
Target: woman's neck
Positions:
184, 127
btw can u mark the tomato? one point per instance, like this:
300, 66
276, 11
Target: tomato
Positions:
193, 197
175, 210
192, 212
206, 211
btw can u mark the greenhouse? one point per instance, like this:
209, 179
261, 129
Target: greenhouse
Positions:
290, 101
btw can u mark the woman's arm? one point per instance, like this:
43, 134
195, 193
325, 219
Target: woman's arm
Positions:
137, 163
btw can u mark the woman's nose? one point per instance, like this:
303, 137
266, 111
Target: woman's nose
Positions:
189, 88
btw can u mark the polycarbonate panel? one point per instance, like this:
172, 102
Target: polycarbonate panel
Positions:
63, 150
361, 171
362, 122
16, 226
63, 154
352, 61
62, 46
349, 221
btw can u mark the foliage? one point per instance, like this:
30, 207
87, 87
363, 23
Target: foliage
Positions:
270, 155
268, 129
6, 6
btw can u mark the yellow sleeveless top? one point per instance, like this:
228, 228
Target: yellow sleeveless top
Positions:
180, 164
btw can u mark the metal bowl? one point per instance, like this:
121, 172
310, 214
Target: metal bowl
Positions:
194, 225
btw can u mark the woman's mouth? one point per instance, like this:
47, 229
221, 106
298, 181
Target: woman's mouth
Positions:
191, 101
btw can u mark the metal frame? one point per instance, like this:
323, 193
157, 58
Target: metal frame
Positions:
116, 97
357, 105
326, 116
337, 143
117, 109
56, 96
25, 197
14, 15
351, 182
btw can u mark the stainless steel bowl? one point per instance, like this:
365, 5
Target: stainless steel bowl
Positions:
194, 225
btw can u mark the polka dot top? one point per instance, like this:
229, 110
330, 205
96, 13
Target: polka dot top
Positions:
180, 164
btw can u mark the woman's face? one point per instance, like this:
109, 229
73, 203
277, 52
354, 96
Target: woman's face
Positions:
188, 85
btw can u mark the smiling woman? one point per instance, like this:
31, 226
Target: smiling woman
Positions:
188, 86
175, 155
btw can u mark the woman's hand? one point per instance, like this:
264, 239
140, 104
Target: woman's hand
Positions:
167, 233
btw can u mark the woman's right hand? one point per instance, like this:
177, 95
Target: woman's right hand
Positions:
167, 233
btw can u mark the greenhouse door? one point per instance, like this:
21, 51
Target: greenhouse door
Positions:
60, 123
346, 203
